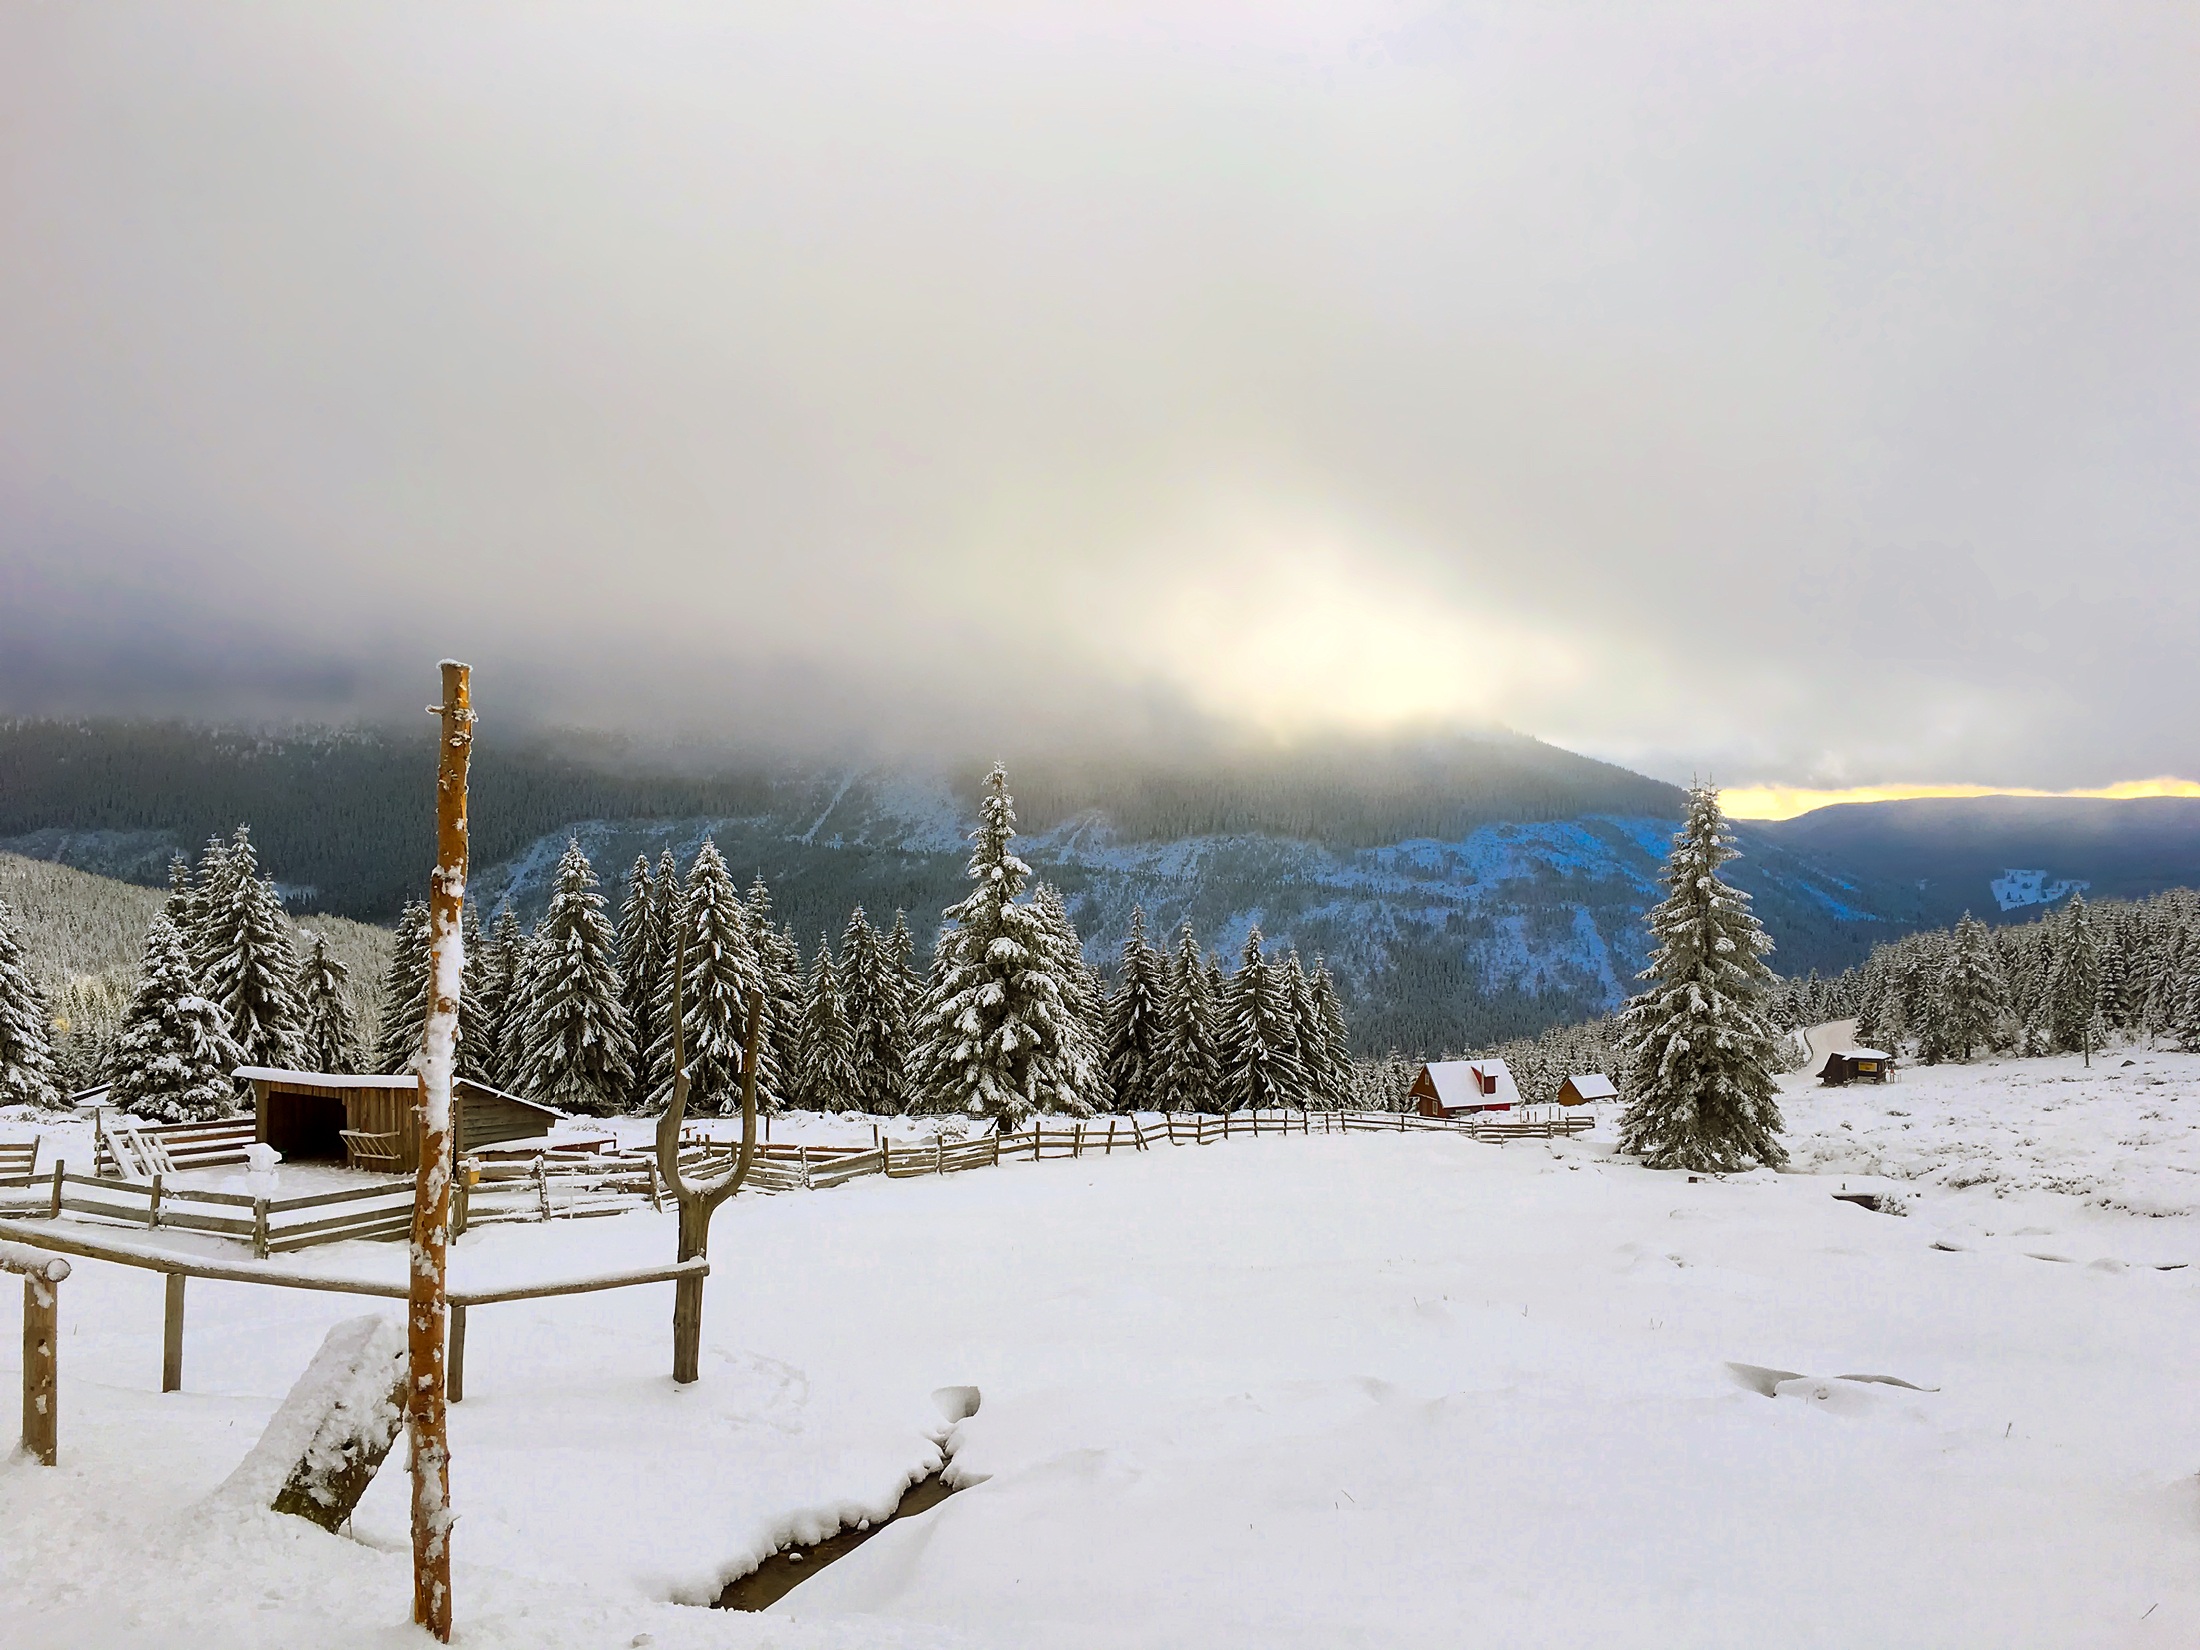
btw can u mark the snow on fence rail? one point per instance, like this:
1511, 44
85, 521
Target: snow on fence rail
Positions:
93, 1243
264, 1222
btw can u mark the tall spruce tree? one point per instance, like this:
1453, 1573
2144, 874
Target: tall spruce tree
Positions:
2074, 991
825, 1067
576, 1049
718, 971
872, 998
1698, 1039
209, 889
996, 1030
1191, 1064
329, 1041
1335, 1086
403, 1019
26, 1027
1261, 1070
1084, 995
173, 1055
246, 962
642, 936
500, 956
779, 963
1137, 1024
1973, 997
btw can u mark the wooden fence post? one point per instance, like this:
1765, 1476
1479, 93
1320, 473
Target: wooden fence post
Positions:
42, 1275
259, 1228
152, 1210
53, 1210
171, 1334
427, 1300
455, 1383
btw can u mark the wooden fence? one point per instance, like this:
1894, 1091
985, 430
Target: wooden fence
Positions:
95, 1244
269, 1224
517, 1184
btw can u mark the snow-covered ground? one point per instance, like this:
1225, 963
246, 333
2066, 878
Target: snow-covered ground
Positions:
1376, 1390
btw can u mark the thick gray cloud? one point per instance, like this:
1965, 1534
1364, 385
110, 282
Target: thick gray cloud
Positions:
1803, 394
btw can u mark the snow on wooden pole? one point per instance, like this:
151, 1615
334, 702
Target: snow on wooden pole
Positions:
428, 1304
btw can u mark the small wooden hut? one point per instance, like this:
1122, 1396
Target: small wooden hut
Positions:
1586, 1088
1856, 1065
1453, 1088
368, 1122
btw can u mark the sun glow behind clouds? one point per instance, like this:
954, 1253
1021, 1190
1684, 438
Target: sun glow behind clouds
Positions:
1293, 635
1787, 801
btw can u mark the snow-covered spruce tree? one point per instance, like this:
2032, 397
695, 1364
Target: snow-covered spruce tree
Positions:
576, 1050
825, 1067
403, 1019
182, 908
1137, 1024
1084, 995
995, 1030
779, 962
1307, 1049
477, 1012
1331, 1080
1191, 1067
500, 957
2074, 991
26, 1027
329, 1041
641, 946
1973, 998
246, 961
1697, 1040
873, 1002
719, 971
173, 1055
209, 887
1260, 1071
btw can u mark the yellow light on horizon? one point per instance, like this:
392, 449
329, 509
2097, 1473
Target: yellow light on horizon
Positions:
1787, 801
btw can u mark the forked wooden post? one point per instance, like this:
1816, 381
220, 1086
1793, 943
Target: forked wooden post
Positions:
42, 1275
428, 1302
698, 1201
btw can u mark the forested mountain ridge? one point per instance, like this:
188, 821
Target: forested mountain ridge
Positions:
1438, 943
1464, 889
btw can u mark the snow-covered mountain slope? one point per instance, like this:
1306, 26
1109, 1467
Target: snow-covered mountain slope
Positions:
1438, 942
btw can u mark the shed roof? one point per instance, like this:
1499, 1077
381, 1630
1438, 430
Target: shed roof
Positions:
1458, 1083
326, 1079
1860, 1054
479, 1087
1593, 1085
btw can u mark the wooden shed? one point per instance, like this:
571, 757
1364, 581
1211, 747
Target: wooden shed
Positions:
306, 1114
1586, 1088
1452, 1088
1856, 1065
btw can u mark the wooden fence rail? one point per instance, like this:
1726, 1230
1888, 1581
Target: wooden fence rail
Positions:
94, 1244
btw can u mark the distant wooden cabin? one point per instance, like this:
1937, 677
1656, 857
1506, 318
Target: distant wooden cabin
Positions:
1586, 1088
1454, 1088
306, 1115
1856, 1065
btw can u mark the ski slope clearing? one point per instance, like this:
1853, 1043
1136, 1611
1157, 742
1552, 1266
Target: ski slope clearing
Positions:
1285, 1392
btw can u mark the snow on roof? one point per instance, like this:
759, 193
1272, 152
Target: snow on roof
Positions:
1860, 1054
1593, 1085
1462, 1083
325, 1079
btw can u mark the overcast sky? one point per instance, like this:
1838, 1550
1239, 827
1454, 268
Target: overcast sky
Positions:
1806, 394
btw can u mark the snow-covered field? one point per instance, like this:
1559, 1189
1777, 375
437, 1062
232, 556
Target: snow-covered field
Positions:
1309, 1391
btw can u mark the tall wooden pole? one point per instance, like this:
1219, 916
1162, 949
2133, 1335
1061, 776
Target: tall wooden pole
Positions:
429, 1306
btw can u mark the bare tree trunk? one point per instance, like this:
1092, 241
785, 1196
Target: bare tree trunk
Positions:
425, 1415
